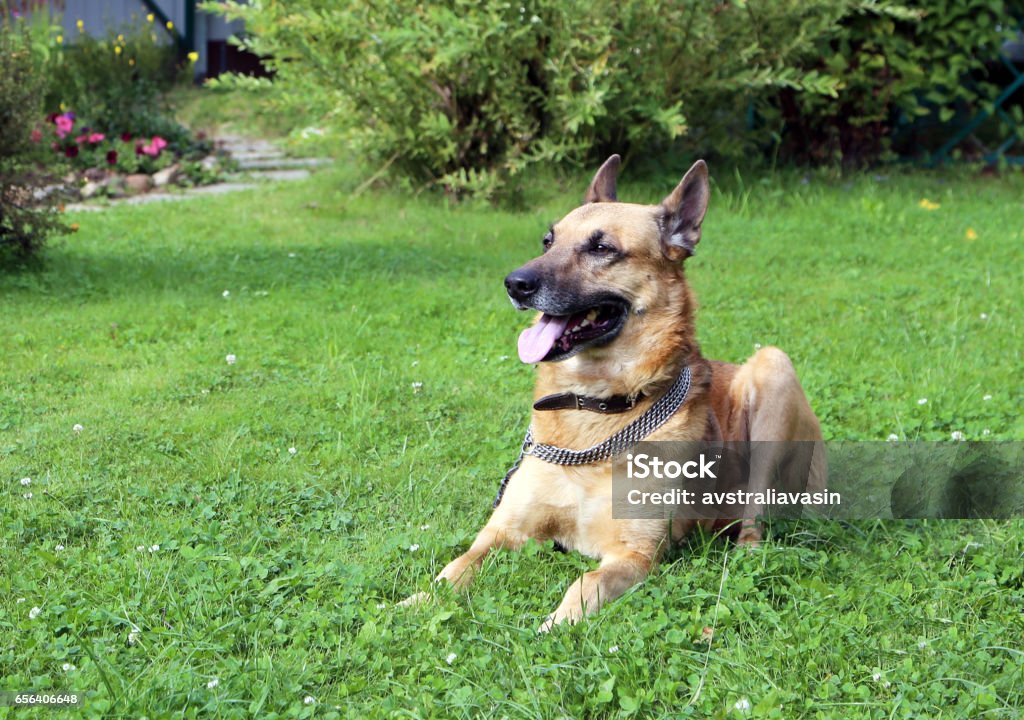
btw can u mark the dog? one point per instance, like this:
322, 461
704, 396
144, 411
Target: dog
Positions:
614, 334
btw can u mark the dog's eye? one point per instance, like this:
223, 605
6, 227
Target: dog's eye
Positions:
548, 240
600, 248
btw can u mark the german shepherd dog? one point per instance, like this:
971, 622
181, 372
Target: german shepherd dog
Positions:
617, 320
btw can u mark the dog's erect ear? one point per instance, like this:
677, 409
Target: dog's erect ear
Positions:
602, 187
684, 210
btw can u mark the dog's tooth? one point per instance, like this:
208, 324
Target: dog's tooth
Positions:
584, 323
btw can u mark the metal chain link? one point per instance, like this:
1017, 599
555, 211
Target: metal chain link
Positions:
653, 418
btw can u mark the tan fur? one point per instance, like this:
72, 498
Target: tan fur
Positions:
761, 399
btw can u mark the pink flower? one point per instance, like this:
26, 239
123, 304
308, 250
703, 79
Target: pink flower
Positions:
154, 147
37, 135
96, 138
64, 124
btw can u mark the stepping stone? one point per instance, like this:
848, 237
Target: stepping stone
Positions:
284, 174
282, 162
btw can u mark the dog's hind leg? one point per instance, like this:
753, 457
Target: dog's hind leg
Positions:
773, 411
616, 574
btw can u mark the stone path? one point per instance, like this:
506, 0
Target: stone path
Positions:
257, 160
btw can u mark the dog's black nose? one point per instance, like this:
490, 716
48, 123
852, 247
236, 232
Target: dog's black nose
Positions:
521, 284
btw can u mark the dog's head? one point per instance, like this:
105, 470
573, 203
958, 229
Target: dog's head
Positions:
607, 267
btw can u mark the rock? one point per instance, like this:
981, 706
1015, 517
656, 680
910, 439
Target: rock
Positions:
115, 187
89, 190
209, 163
166, 176
138, 184
95, 174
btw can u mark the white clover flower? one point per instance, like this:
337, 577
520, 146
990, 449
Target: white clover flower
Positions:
381, 606
308, 700
922, 401
417, 386
414, 547
59, 548
154, 548
78, 428
503, 357
19, 601
613, 649
27, 496
140, 548
956, 435
742, 705
893, 437
133, 637
876, 677
451, 658
534, 19
25, 482
230, 359
986, 431
984, 316
986, 398
214, 682
292, 255
425, 527
757, 346
34, 613
921, 645
415, 363
292, 451
67, 667
226, 294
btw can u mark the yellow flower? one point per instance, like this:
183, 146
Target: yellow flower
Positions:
117, 49
131, 61
149, 18
120, 38
970, 234
193, 57
60, 39
928, 204
81, 26
170, 25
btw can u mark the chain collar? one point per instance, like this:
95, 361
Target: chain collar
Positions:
653, 418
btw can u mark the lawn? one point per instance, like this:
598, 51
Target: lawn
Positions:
216, 539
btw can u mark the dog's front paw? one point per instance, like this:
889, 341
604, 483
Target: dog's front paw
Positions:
414, 600
557, 618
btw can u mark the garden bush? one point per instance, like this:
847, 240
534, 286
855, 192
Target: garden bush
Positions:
28, 212
897, 69
467, 94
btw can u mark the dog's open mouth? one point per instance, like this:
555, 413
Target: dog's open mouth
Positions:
557, 337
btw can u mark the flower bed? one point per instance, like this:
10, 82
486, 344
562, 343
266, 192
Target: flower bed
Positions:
101, 165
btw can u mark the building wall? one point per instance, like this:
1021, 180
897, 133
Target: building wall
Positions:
101, 17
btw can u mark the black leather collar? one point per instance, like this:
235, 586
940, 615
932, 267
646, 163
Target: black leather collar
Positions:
570, 401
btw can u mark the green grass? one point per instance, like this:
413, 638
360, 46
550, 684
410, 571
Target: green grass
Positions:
276, 572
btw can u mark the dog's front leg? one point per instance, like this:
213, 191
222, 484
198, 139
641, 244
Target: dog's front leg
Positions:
616, 574
460, 571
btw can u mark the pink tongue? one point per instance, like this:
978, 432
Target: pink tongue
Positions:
536, 342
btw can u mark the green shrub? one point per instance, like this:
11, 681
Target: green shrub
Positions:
119, 83
27, 212
895, 67
467, 94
